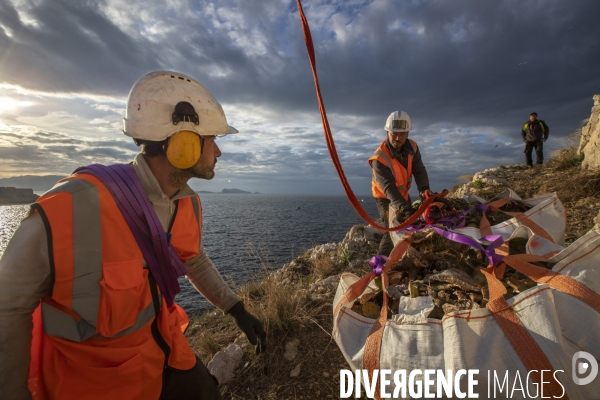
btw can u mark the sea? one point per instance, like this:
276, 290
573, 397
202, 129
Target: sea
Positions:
246, 234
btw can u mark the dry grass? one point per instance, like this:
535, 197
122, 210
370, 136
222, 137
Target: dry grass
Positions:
207, 345
279, 307
564, 159
567, 156
324, 266
288, 310
465, 178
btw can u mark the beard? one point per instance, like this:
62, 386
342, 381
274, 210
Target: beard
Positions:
179, 177
208, 175
202, 171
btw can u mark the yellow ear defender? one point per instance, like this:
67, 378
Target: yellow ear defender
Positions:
184, 149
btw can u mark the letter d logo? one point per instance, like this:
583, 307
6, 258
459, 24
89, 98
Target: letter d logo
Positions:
580, 367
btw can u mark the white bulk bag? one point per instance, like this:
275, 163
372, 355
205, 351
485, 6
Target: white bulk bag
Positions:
541, 328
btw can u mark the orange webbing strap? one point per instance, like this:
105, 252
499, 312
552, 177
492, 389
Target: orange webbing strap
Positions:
373, 345
484, 224
530, 354
563, 283
485, 228
503, 251
535, 228
331, 145
358, 287
498, 203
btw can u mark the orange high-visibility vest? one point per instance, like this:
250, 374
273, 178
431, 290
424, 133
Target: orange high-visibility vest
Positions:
403, 175
104, 331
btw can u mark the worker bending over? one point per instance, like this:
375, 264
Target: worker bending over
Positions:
394, 163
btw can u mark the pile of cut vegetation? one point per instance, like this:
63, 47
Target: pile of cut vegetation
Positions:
447, 271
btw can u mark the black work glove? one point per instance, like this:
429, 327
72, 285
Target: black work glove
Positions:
407, 211
250, 325
423, 193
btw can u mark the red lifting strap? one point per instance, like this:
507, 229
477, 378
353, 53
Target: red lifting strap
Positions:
331, 146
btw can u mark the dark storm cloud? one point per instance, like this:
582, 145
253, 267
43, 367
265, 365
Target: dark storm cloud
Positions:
480, 62
467, 72
80, 49
53, 138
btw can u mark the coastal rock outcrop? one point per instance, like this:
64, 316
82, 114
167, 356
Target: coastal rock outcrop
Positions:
589, 144
486, 178
11, 195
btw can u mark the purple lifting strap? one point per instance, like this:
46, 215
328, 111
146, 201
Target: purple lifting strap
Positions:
458, 221
377, 263
162, 259
494, 241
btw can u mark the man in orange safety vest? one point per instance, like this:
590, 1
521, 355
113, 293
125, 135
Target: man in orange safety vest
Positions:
88, 281
394, 163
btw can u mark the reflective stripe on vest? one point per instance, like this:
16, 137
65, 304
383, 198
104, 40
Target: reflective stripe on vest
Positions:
87, 261
80, 322
526, 127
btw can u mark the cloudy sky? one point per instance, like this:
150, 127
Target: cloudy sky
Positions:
468, 72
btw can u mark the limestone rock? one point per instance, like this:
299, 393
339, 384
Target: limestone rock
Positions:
327, 249
353, 247
241, 340
326, 284
291, 349
589, 144
225, 362
372, 234
597, 222
486, 178
296, 371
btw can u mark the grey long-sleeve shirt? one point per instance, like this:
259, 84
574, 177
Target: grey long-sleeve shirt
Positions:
25, 279
386, 178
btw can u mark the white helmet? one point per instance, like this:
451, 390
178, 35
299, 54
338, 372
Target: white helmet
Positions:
163, 103
398, 121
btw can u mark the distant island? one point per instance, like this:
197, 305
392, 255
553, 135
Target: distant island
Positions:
39, 183
43, 183
228, 191
234, 191
11, 195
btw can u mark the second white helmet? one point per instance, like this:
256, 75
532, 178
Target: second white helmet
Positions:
163, 103
398, 121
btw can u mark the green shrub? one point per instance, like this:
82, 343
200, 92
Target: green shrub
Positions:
478, 184
344, 256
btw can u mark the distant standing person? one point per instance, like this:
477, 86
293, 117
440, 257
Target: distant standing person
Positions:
394, 163
534, 133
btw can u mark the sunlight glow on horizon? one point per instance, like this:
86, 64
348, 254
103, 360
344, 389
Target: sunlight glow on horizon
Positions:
8, 103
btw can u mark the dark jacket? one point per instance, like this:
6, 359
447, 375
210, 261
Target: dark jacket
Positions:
387, 180
534, 131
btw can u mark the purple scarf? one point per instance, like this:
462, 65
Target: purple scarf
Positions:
127, 191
